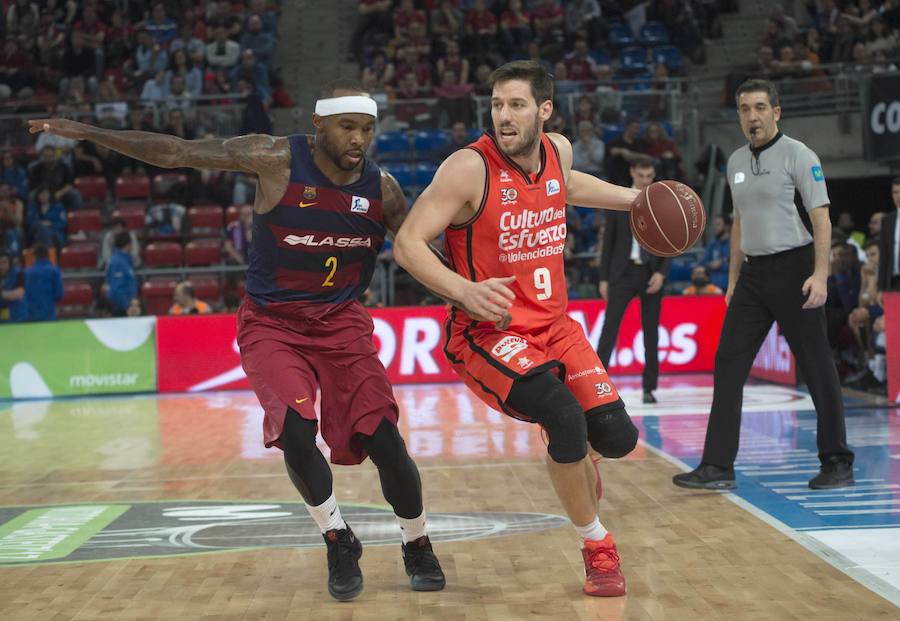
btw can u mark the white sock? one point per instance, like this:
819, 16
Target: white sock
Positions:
413, 528
327, 515
593, 531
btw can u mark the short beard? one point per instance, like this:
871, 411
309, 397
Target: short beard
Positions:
333, 153
528, 140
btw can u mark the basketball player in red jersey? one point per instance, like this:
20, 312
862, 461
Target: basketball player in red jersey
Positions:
321, 214
502, 203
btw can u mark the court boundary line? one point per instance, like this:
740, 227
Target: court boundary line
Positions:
824, 552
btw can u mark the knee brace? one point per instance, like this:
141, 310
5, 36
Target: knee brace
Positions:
610, 431
546, 400
306, 466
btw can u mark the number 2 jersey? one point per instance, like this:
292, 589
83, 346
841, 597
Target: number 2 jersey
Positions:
518, 230
319, 243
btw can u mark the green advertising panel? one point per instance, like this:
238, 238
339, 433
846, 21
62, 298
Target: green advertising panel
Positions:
89, 357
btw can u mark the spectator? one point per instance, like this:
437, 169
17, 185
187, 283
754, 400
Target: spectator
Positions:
50, 172
222, 52
515, 29
93, 33
580, 66
119, 40
47, 220
10, 238
154, 91
43, 286
238, 237
254, 73
584, 15
562, 85
548, 20
446, 21
374, 19
50, 42
454, 101
85, 162
255, 118
860, 320
165, 218
181, 65
623, 151
410, 62
481, 30
262, 44
149, 57
15, 72
121, 281
161, 27
186, 41
107, 246
21, 17
875, 225
379, 74
584, 110
79, 61
13, 204
664, 150
700, 284
179, 98
14, 174
454, 62
459, 138
881, 38
186, 302
588, 151
717, 255
404, 17
268, 18
13, 307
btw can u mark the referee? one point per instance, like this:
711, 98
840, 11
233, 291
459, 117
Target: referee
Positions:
778, 272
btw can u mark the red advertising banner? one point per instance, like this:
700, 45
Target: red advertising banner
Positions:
775, 362
892, 331
198, 353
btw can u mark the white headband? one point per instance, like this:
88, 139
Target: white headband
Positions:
349, 104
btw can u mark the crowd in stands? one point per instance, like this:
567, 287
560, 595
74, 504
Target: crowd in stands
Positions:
862, 35
151, 66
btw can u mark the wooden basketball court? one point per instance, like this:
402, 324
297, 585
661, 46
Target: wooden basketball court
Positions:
155, 468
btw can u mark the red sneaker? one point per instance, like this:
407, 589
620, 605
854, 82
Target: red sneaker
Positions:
603, 577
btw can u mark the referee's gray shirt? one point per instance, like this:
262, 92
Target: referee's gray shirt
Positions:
763, 182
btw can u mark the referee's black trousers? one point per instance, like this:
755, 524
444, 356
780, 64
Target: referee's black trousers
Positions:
633, 283
770, 288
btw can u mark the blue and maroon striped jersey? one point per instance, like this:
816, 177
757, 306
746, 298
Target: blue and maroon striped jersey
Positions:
320, 242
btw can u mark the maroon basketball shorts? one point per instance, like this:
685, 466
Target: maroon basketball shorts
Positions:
289, 350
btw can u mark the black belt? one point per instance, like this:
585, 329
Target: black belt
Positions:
764, 258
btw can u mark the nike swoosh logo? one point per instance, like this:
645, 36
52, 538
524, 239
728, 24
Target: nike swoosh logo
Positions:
299, 401
301, 204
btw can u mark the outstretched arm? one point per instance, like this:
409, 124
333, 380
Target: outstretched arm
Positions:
586, 190
255, 154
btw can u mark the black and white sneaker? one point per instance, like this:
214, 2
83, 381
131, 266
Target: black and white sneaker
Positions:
345, 579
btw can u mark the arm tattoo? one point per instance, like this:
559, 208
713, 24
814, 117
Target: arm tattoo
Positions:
255, 154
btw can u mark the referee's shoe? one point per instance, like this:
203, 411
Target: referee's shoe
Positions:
706, 476
835, 472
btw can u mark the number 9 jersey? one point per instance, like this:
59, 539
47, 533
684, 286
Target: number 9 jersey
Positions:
519, 230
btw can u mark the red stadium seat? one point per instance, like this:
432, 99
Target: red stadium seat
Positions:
133, 215
78, 257
85, 221
77, 300
206, 221
206, 288
203, 252
157, 295
132, 186
162, 254
92, 188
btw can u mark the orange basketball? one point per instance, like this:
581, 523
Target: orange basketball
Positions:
667, 218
